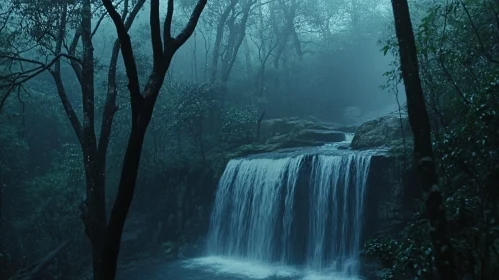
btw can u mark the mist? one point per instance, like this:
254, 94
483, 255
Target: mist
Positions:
338, 70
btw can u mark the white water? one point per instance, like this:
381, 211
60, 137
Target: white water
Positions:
336, 145
231, 268
298, 217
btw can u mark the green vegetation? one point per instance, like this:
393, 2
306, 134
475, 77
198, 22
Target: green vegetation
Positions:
458, 67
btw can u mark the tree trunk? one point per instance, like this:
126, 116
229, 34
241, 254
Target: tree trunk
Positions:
122, 203
94, 218
142, 106
423, 151
1, 203
218, 39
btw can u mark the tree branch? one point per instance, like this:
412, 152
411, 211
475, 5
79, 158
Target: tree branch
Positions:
125, 10
56, 75
68, 108
87, 87
191, 25
97, 25
110, 107
72, 51
128, 57
18, 78
167, 27
157, 48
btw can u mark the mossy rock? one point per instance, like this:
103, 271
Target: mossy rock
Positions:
384, 131
302, 138
252, 149
319, 135
284, 126
286, 133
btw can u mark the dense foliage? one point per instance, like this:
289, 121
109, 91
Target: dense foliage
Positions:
456, 41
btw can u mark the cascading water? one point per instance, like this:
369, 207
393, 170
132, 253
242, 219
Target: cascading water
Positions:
304, 210
247, 207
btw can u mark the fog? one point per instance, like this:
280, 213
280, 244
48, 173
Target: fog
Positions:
337, 77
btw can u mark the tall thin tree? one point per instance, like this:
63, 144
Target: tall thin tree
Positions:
423, 151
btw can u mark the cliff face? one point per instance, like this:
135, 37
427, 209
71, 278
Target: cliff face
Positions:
390, 196
392, 185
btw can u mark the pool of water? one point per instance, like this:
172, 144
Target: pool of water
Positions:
219, 268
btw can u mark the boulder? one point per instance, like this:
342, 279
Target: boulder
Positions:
384, 131
317, 135
287, 133
283, 126
252, 149
301, 138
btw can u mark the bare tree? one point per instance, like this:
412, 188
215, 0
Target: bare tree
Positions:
232, 24
142, 103
48, 26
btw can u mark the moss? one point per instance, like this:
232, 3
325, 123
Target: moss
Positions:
381, 132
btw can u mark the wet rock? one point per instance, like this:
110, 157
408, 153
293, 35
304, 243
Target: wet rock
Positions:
284, 126
291, 133
317, 135
169, 250
380, 132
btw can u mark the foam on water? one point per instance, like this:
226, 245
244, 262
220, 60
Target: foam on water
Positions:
337, 145
240, 267
348, 137
244, 269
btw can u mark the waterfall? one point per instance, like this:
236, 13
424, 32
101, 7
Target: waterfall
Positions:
304, 210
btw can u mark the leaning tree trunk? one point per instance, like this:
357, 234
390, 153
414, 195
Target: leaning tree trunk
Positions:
423, 151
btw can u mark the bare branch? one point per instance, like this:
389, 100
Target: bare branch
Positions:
97, 25
68, 108
72, 51
125, 10
6, 95
167, 28
127, 52
157, 48
191, 25
110, 107
18, 78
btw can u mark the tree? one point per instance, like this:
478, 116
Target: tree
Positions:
423, 152
142, 103
45, 27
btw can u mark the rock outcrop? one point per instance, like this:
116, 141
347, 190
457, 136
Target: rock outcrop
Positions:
381, 132
391, 189
285, 133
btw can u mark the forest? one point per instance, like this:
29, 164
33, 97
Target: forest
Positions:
122, 120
